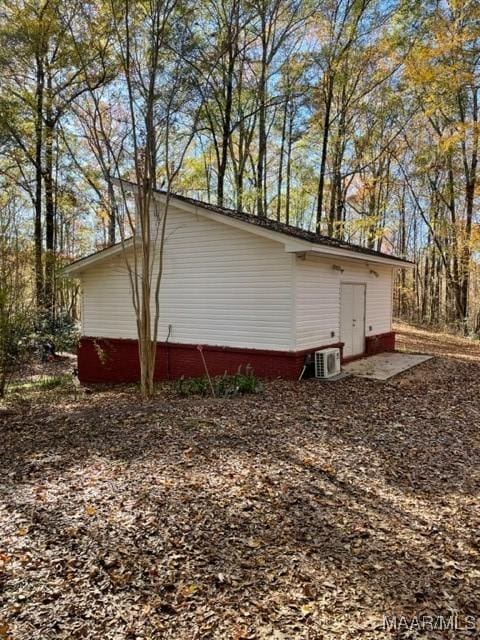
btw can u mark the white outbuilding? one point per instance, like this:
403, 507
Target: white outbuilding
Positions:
249, 291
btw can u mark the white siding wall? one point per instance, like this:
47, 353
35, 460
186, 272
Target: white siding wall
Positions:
318, 299
221, 286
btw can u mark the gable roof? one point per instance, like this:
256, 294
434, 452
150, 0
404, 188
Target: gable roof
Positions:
344, 248
285, 229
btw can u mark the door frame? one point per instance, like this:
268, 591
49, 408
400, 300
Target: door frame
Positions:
364, 285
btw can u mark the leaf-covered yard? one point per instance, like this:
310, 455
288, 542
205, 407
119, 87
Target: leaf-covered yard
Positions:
311, 510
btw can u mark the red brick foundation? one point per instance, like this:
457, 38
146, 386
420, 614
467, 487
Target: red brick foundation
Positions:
114, 360
380, 343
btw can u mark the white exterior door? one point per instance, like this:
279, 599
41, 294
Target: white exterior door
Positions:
352, 319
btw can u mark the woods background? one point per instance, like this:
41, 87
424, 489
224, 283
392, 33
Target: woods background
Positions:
355, 118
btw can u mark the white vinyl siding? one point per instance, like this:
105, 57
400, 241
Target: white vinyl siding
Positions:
221, 286
226, 286
107, 303
317, 299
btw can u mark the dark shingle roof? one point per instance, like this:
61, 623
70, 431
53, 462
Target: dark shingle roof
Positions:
265, 223
286, 229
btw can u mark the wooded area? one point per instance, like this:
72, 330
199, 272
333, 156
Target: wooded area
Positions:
239, 505
354, 118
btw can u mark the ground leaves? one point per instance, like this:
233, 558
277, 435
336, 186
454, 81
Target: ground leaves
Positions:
309, 511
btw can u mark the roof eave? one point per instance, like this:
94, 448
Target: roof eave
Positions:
75, 268
351, 254
291, 243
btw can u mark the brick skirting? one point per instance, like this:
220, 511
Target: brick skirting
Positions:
114, 360
380, 343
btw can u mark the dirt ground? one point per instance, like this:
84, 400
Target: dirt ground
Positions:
308, 511
419, 340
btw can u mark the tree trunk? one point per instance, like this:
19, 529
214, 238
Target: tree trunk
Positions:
226, 129
323, 160
49, 202
112, 214
453, 284
335, 214
426, 283
466, 252
280, 161
402, 252
39, 93
262, 130
289, 167
470, 187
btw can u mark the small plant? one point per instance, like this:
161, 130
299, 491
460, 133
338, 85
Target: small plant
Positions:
192, 386
101, 353
226, 385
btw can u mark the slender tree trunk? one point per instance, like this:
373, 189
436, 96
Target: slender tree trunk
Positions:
453, 284
112, 214
153, 158
467, 252
426, 283
470, 188
289, 167
334, 218
49, 202
280, 161
402, 252
262, 134
372, 202
226, 129
434, 301
323, 160
333, 226
40, 84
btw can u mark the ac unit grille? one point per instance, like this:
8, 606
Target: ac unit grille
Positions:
327, 363
331, 363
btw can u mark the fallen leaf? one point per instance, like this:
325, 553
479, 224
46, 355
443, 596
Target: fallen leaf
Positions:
90, 510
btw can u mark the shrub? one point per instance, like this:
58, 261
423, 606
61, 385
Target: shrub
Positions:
16, 285
60, 329
192, 386
15, 326
223, 386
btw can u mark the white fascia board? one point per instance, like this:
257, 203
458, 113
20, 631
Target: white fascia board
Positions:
346, 254
84, 263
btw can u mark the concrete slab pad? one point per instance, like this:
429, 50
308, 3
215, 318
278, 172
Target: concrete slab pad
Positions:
339, 376
384, 365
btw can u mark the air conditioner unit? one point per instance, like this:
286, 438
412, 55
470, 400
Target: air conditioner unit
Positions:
327, 363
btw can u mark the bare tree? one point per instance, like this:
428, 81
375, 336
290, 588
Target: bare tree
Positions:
159, 130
